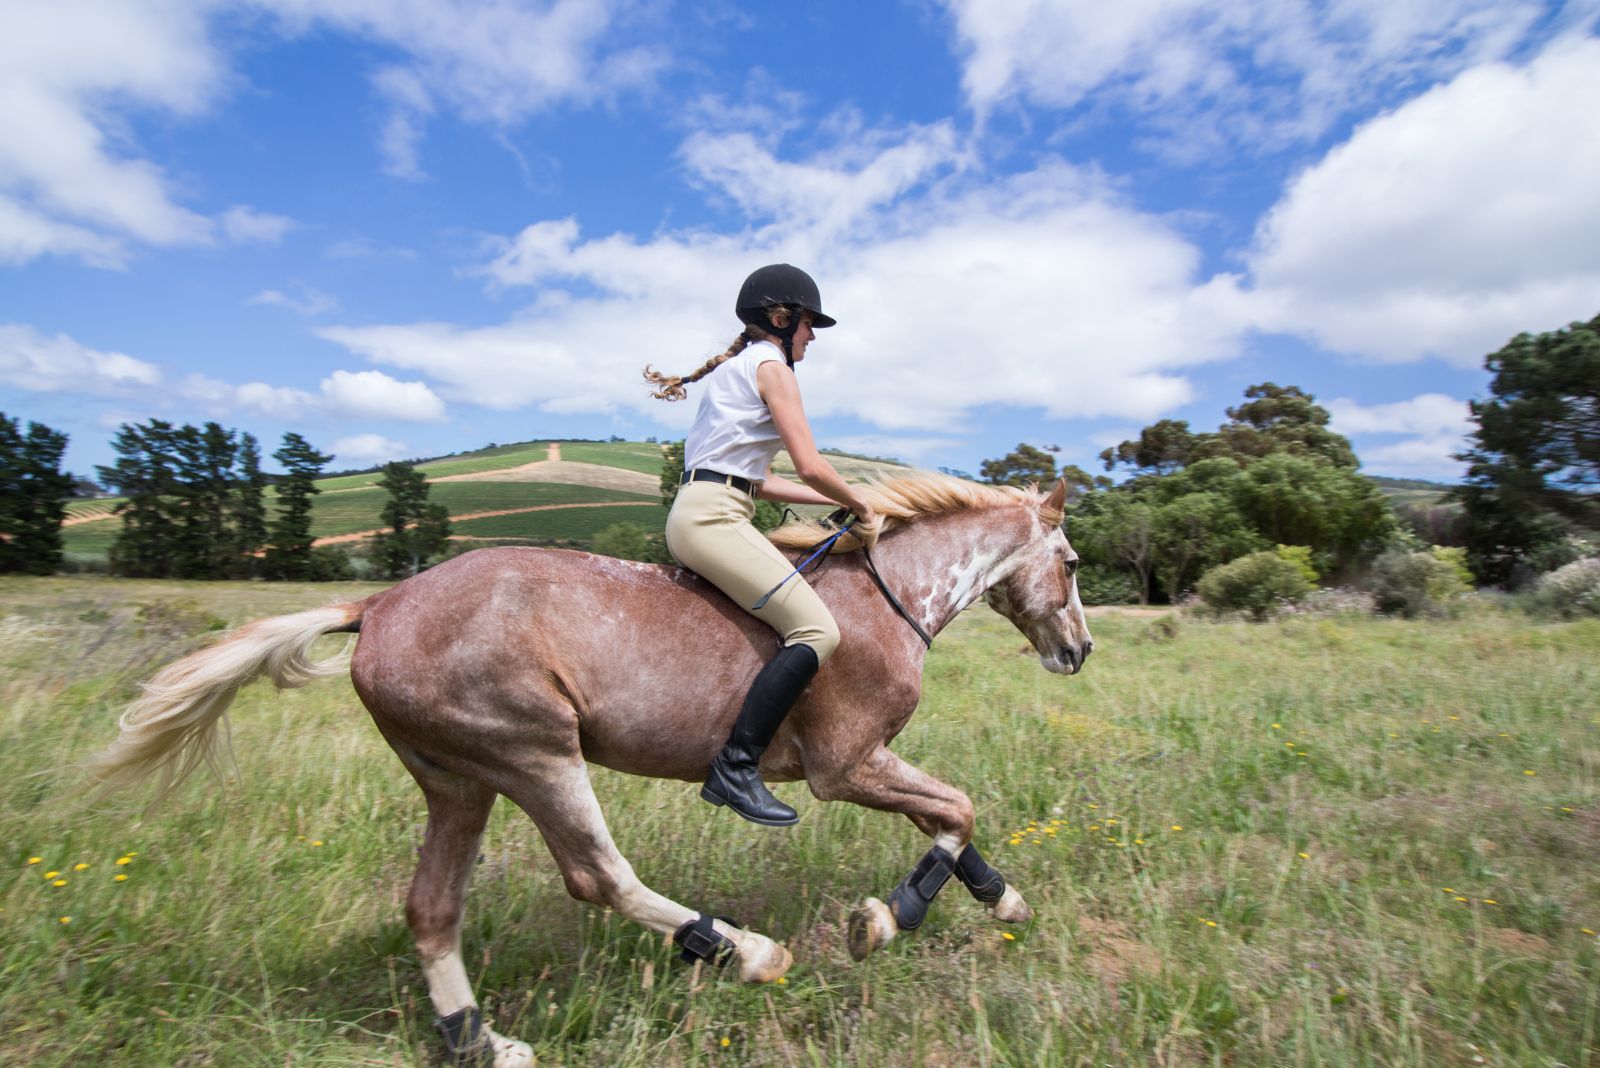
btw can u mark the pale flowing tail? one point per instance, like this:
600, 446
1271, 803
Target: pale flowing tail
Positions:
172, 729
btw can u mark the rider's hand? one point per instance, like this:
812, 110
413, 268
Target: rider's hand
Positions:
867, 527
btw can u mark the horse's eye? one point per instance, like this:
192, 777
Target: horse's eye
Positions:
1072, 567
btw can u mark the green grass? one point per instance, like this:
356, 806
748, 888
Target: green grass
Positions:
238, 940
630, 455
358, 509
577, 524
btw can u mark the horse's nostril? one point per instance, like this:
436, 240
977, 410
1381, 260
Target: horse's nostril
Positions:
1088, 647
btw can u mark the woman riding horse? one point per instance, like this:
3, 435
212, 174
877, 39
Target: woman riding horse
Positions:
749, 409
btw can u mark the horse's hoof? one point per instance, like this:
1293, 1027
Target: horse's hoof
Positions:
761, 960
871, 927
1011, 908
509, 1053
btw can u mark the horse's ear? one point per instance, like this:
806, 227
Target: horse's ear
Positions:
1057, 500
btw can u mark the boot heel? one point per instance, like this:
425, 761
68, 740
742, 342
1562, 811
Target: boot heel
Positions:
707, 795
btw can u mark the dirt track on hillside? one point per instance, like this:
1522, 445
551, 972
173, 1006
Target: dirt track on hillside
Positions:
339, 539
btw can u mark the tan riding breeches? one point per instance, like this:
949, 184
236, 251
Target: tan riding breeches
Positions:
709, 532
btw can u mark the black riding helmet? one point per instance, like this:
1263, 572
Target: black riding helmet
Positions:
780, 285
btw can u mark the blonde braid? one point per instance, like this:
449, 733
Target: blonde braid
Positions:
672, 385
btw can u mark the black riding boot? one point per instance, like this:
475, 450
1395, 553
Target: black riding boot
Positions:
735, 780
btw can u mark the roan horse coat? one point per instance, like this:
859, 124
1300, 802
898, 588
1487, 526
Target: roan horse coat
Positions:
506, 671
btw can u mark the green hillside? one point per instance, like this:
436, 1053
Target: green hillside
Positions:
595, 484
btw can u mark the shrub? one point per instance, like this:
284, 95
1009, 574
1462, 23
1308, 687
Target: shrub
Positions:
1260, 584
1568, 592
1417, 583
625, 541
1300, 557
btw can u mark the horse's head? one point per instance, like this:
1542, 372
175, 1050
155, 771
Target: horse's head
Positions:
1039, 593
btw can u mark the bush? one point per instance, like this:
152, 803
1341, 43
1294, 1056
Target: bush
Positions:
625, 541
1417, 583
1260, 584
1568, 592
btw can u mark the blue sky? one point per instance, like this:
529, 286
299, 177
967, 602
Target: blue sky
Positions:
405, 228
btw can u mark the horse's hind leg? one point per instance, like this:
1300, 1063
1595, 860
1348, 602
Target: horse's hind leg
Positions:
458, 808
945, 814
560, 798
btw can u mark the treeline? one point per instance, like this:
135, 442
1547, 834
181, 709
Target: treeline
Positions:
33, 493
196, 505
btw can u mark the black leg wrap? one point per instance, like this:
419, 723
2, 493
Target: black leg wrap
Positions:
700, 941
986, 884
909, 901
464, 1040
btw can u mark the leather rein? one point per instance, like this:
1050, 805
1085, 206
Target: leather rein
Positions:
836, 519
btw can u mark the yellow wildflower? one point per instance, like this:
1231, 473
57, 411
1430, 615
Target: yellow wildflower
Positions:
1304, 856
1460, 898
66, 919
1277, 726
1527, 771
80, 867
1177, 826
1008, 936
51, 874
726, 1042
1490, 901
59, 882
1138, 841
124, 860
1586, 930
317, 842
783, 980
1211, 923
1449, 889
35, 860
119, 878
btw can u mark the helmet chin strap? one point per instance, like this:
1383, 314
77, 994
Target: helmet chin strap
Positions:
785, 336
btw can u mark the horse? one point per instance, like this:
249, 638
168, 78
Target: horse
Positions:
505, 671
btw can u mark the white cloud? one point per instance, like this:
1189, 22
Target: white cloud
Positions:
1431, 427
954, 291
1250, 72
368, 449
910, 449
374, 395
492, 63
342, 395
1450, 224
34, 362
73, 182
247, 226
307, 301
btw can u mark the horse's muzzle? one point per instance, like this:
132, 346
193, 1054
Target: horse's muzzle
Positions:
1068, 659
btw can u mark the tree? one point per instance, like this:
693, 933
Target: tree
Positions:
1027, 464
625, 541
416, 530
1162, 447
1534, 463
248, 505
145, 475
1119, 529
290, 555
33, 492
671, 472
1194, 532
1278, 419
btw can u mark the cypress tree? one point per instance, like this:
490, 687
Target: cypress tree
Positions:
33, 492
417, 528
290, 555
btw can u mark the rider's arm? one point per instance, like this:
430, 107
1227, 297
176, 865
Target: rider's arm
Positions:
782, 394
777, 488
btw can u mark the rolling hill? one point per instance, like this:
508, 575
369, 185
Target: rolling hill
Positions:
530, 493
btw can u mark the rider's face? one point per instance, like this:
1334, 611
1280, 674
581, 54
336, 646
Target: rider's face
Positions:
803, 335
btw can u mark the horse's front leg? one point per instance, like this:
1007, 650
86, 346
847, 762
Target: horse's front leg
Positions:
945, 814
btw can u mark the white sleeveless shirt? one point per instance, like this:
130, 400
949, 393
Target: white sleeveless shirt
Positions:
733, 432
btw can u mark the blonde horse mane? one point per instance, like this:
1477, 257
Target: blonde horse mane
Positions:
905, 498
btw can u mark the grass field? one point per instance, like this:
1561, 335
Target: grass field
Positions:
1314, 842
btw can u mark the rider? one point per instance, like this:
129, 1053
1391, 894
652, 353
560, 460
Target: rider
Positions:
749, 409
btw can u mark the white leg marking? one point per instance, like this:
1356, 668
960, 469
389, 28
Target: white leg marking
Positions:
950, 842
447, 983
508, 1052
